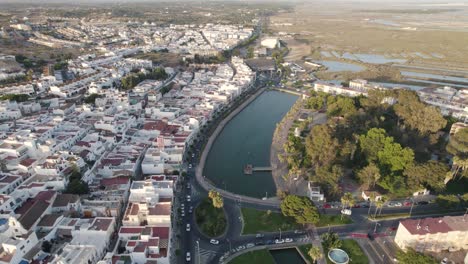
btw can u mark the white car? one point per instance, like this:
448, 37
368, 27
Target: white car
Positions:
250, 245
346, 211
190, 166
214, 241
187, 256
188, 198
239, 248
188, 228
279, 241
288, 240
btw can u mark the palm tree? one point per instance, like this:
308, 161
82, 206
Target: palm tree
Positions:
383, 199
315, 253
347, 200
378, 204
371, 199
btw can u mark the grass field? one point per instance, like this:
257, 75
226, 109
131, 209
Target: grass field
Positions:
354, 251
211, 221
256, 221
254, 257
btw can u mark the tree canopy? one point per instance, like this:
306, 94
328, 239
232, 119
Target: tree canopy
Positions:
300, 208
417, 115
216, 199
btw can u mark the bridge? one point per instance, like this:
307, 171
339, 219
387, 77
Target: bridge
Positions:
249, 169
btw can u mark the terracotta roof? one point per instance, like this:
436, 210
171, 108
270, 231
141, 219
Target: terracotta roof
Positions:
426, 226
64, 199
116, 180
101, 224
33, 213
160, 209
27, 162
161, 232
48, 220
130, 230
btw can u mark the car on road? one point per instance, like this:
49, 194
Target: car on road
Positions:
190, 210
214, 241
356, 206
259, 243
187, 257
370, 236
394, 204
407, 203
279, 241
346, 211
188, 228
423, 203
270, 242
188, 198
259, 235
288, 240
239, 248
299, 232
190, 166
250, 245
182, 213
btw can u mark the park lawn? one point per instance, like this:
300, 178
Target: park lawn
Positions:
332, 220
305, 251
257, 221
211, 221
262, 256
354, 251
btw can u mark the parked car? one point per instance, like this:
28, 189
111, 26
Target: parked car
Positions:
239, 248
259, 243
288, 240
214, 241
407, 203
259, 235
187, 256
423, 203
188, 228
299, 232
346, 211
250, 245
327, 206
270, 242
279, 241
370, 236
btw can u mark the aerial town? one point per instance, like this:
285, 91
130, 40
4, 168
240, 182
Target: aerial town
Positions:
127, 140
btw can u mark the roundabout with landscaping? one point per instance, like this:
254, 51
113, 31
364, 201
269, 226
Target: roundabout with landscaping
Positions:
210, 220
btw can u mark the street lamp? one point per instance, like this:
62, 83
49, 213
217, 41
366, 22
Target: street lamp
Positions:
411, 209
280, 233
375, 228
198, 248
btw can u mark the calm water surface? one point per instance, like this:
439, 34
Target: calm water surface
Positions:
246, 139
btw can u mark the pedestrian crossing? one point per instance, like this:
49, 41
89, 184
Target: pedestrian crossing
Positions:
205, 255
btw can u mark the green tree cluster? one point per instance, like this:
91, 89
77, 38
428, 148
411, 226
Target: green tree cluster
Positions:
75, 184
330, 240
458, 147
15, 97
91, 99
300, 208
132, 80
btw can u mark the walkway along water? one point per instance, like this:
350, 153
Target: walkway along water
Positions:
199, 169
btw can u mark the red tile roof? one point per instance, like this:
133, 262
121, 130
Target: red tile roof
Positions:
161, 232
130, 230
116, 180
426, 226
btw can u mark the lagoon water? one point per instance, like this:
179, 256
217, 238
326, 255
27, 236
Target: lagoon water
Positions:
246, 139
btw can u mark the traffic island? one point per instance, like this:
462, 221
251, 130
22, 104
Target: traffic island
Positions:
211, 221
